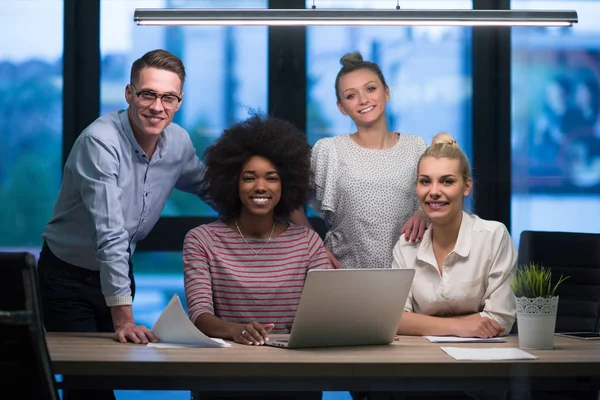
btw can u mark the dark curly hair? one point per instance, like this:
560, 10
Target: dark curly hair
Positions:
278, 141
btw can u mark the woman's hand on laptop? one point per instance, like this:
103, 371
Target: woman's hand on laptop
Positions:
253, 333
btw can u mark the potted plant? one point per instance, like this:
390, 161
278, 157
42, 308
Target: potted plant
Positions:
537, 304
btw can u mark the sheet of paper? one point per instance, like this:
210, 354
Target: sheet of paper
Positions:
161, 345
174, 329
454, 339
484, 354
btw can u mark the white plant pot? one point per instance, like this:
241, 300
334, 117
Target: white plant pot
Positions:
536, 321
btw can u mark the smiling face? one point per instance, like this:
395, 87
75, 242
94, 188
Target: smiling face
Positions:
149, 120
362, 96
441, 189
259, 186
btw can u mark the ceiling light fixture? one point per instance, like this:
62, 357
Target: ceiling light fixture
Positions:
370, 17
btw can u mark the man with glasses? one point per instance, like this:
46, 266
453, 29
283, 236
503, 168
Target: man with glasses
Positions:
116, 181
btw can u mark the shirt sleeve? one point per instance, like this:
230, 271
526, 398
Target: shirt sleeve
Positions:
499, 301
317, 256
324, 166
399, 263
196, 273
191, 178
95, 169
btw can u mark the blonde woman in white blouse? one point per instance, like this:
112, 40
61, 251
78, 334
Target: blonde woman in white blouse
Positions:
463, 264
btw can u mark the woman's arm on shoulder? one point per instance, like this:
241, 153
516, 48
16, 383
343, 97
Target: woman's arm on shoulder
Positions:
415, 227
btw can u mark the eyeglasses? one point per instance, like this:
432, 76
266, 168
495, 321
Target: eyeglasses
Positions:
148, 97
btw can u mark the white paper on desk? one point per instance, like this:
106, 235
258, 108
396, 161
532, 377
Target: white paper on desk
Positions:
495, 353
454, 339
161, 345
174, 329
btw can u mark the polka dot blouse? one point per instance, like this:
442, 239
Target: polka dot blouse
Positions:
365, 196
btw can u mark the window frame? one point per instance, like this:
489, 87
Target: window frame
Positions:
491, 114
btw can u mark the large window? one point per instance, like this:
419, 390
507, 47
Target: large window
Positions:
428, 70
30, 119
226, 70
555, 127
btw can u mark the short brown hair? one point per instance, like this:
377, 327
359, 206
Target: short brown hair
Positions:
159, 59
353, 62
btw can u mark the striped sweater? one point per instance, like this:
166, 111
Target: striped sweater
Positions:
224, 277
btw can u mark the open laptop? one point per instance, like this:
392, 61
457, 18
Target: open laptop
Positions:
348, 307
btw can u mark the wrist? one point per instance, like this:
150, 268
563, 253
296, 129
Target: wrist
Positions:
234, 329
454, 326
121, 315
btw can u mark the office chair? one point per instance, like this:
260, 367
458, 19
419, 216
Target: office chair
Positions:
25, 367
576, 255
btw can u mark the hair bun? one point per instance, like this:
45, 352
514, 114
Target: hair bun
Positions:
444, 138
351, 58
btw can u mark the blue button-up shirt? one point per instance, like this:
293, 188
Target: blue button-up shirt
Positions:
112, 195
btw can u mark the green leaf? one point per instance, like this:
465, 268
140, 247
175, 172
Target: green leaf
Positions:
534, 280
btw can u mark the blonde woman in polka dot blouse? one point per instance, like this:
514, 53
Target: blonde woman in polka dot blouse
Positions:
363, 183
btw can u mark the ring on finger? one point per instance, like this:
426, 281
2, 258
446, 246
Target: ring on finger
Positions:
244, 332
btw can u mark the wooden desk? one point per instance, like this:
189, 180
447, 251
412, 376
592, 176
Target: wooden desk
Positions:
412, 363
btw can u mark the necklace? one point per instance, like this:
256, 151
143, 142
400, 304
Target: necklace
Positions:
248, 244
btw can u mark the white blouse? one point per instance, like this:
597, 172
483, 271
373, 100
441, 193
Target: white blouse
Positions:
476, 274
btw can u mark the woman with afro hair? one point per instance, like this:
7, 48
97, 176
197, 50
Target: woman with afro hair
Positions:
244, 273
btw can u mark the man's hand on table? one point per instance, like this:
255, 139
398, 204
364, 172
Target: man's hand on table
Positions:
126, 329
